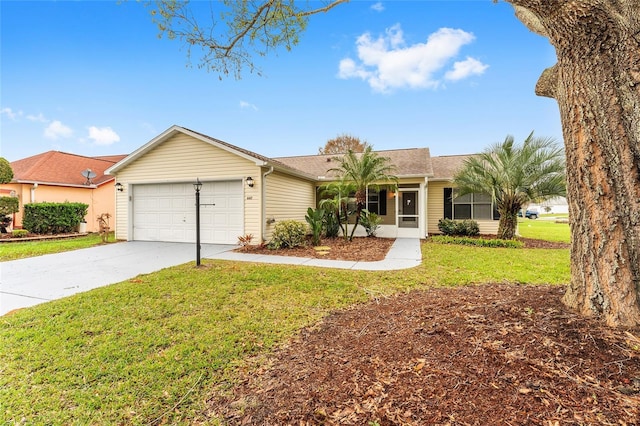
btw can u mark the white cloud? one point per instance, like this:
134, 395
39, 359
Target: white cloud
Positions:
103, 135
466, 68
13, 115
378, 7
39, 118
57, 130
245, 105
387, 63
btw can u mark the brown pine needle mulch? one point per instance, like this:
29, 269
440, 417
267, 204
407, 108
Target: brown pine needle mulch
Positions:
361, 248
365, 248
477, 355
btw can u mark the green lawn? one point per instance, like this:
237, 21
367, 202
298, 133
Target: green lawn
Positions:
543, 229
22, 249
152, 349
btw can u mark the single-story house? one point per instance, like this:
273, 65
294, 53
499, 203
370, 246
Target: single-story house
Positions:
55, 176
555, 205
247, 193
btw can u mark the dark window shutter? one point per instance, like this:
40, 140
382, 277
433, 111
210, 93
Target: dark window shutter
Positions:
448, 203
382, 202
496, 215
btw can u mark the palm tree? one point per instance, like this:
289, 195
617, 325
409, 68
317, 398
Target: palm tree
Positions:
364, 170
335, 196
514, 176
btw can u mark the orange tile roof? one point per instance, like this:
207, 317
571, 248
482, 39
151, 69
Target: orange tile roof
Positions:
61, 168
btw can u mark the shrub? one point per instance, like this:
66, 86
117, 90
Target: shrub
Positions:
465, 227
315, 218
20, 233
447, 226
331, 225
288, 233
469, 228
245, 240
9, 205
53, 218
478, 242
370, 221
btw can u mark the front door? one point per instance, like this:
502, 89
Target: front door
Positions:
408, 213
408, 209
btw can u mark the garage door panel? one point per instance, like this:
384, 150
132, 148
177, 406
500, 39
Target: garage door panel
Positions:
166, 212
234, 202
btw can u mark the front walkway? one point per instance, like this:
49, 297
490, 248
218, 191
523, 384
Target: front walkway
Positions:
405, 253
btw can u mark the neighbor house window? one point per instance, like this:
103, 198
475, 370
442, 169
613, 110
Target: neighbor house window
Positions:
469, 206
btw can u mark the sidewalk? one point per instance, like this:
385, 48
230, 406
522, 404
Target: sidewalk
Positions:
405, 253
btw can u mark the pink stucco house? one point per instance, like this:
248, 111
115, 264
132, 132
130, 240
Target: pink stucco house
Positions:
55, 176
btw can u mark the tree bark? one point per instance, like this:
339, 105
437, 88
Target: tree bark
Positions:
507, 225
596, 83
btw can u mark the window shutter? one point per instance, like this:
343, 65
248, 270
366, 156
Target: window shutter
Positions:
382, 202
448, 203
496, 215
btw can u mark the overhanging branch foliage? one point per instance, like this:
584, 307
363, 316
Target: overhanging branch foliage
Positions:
235, 30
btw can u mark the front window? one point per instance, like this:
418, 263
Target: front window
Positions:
377, 201
475, 206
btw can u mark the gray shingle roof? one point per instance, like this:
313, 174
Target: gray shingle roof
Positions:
408, 162
446, 166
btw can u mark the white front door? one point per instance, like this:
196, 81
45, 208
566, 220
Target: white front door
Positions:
167, 212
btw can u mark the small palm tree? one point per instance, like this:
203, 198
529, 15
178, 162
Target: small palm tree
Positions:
364, 170
335, 198
514, 176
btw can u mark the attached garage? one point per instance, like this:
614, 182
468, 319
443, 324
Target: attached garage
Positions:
166, 212
243, 193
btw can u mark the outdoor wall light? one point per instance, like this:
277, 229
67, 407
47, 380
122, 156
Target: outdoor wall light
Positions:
119, 187
249, 181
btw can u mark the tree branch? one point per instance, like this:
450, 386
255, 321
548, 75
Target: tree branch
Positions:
547, 84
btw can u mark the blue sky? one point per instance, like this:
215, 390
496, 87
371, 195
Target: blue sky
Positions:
93, 78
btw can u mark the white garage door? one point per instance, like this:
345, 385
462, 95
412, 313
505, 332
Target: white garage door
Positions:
167, 212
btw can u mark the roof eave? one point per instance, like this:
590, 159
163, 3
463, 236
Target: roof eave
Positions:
172, 131
69, 185
291, 171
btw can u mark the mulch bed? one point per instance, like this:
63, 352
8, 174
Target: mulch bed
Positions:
366, 248
477, 355
9, 238
363, 248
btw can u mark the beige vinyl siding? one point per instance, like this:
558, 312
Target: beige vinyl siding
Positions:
183, 158
435, 210
287, 198
121, 219
435, 205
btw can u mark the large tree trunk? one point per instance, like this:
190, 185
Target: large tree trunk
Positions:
507, 225
597, 85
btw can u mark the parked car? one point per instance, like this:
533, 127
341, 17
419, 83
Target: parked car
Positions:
529, 214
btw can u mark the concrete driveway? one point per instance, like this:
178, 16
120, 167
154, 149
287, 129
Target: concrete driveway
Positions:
28, 282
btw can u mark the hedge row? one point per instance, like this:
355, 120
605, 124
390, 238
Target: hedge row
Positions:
53, 218
479, 242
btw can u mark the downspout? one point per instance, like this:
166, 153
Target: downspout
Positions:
263, 199
33, 192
